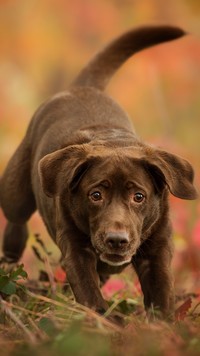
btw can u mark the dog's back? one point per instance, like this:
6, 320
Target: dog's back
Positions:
60, 120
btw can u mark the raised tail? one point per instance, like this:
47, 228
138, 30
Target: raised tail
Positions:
101, 68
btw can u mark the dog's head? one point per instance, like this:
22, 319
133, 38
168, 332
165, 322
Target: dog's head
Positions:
115, 194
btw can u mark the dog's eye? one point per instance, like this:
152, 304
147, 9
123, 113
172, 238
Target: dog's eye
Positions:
96, 196
138, 197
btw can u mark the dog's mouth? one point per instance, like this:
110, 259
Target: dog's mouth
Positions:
114, 259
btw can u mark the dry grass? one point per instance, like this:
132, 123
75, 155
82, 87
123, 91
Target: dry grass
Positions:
41, 319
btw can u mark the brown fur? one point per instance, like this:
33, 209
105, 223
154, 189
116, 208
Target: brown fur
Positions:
102, 193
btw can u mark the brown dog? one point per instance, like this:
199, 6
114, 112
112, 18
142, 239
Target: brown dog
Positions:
102, 193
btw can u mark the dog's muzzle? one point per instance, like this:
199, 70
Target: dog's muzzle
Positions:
116, 245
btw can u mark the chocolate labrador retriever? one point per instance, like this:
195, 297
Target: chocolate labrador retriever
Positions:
101, 191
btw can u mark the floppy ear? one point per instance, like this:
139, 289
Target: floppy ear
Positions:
64, 167
175, 171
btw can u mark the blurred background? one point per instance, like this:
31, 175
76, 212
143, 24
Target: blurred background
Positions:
44, 44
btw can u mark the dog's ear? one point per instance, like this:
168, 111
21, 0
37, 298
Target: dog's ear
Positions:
174, 171
63, 168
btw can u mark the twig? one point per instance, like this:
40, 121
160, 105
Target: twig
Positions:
41, 243
45, 299
27, 311
92, 313
42, 335
50, 275
112, 307
195, 307
8, 311
77, 308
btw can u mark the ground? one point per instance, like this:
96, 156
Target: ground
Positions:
40, 316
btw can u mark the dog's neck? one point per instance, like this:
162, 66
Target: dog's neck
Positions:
104, 136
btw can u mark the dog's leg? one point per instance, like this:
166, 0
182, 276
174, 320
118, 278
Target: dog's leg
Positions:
15, 237
17, 202
79, 261
157, 283
84, 281
80, 265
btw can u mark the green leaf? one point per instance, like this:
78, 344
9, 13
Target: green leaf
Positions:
3, 272
48, 326
9, 288
19, 272
127, 306
3, 281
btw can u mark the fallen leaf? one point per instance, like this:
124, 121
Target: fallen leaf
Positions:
112, 286
181, 312
60, 275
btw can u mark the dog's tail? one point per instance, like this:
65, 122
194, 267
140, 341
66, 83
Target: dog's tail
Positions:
101, 68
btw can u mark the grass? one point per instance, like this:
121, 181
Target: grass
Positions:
38, 318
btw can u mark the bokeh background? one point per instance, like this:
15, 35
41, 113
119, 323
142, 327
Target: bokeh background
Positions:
44, 44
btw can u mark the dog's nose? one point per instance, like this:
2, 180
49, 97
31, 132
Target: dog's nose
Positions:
117, 239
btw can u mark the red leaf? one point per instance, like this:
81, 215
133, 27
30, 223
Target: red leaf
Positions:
112, 286
181, 312
60, 275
